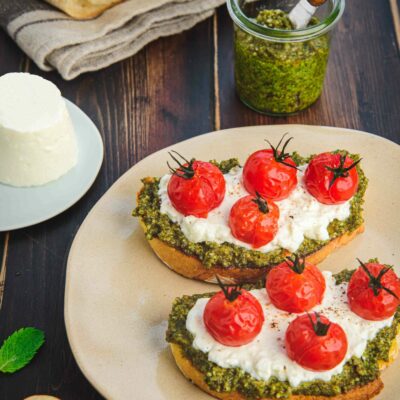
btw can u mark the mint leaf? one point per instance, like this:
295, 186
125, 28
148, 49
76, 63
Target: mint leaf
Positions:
19, 349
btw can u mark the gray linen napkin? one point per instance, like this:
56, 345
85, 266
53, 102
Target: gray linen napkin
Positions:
55, 41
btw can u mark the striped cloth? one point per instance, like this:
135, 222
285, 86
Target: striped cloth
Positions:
55, 41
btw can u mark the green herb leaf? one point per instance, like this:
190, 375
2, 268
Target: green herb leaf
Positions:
19, 349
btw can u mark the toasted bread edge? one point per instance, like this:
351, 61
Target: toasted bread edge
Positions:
191, 267
365, 392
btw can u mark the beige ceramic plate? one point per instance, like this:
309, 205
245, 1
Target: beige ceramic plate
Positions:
118, 294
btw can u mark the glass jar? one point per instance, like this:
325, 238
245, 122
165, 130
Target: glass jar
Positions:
281, 72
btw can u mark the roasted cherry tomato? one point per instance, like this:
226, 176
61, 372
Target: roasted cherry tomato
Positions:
374, 291
254, 221
295, 286
233, 316
332, 178
315, 343
196, 187
271, 172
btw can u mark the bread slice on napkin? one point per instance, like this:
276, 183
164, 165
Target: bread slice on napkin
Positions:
83, 9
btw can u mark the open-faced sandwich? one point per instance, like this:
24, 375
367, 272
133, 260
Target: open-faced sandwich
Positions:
206, 218
302, 334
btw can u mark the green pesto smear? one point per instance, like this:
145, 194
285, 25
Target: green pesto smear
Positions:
212, 254
356, 372
279, 78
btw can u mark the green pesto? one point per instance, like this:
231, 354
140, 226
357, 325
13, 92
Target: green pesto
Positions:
344, 276
279, 78
356, 372
226, 254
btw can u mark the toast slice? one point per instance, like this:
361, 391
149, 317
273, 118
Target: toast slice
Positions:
203, 261
191, 266
365, 392
356, 384
83, 9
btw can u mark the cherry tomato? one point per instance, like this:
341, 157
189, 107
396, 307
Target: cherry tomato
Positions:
295, 286
196, 187
331, 178
254, 221
315, 343
233, 317
374, 292
271, 172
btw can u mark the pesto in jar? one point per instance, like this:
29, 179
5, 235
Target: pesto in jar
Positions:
279, 78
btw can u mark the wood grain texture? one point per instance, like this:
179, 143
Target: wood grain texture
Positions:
395, 9
161, 96
3, 266
217, 101
176, 88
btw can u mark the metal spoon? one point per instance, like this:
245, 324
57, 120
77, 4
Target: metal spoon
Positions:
301, 14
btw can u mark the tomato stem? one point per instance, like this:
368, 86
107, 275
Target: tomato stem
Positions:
296, 263
262, 203
280, 155
231, 292
375, 282
318, 326
341, 171
184, 171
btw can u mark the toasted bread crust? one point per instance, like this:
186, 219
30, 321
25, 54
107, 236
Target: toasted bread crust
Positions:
83, 9
365, 392
191, 267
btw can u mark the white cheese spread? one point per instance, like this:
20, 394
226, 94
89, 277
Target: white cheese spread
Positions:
266, 356
301, 215
37, 140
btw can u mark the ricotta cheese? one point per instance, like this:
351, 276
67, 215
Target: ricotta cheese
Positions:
266, 356
37, 140
301, 215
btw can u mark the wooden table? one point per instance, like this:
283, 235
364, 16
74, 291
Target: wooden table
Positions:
176, 88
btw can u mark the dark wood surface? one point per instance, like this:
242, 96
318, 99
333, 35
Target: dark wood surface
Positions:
175, 88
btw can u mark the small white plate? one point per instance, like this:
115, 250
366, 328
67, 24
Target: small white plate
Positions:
21, 207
